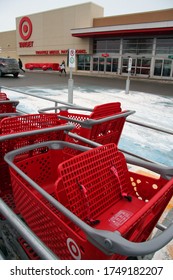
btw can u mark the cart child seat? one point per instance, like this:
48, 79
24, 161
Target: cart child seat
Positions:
97, 187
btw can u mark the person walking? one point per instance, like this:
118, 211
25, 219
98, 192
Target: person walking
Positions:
63, 67
21, 65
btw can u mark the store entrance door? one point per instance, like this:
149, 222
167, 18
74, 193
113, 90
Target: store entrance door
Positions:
98, 64
140, 66
163, 68
105, 64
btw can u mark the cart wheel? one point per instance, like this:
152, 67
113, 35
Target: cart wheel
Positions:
132, 258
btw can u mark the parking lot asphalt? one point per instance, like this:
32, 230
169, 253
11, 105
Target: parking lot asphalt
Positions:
164, 87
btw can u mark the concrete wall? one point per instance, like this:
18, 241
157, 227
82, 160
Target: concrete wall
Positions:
51, 31
8, 44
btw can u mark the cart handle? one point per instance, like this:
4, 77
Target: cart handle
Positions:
10, 114
14, 102
165, 171
65, 108
37, 131
108, 242
90, 122
113, 242
54, 145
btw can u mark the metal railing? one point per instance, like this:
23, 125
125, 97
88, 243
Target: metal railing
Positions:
56, 102
164, 130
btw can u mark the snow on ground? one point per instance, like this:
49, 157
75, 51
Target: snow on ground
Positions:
150, 109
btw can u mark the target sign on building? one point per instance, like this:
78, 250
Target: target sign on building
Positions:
71, 58
25, 28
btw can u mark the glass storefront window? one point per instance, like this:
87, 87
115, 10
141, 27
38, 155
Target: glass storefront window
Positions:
108, 65
141, 51
99, 46
83, 62
105, 64
146, 62
158, 67
115, 65
167, 68
101, 63
140, 66
95, 64
164, 45
125, 65
163, 67
138, 46
106, 46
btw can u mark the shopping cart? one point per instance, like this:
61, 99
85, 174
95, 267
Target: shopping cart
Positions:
8, 106
21, 131
90, 206
102, 124
3, 96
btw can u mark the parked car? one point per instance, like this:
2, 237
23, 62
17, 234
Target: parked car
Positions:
9, 66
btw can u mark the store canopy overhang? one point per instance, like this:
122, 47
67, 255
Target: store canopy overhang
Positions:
125, 30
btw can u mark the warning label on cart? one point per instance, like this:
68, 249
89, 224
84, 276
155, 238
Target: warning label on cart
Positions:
120, 218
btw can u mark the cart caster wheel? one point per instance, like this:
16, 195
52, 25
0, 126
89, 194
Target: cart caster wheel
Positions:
132, 258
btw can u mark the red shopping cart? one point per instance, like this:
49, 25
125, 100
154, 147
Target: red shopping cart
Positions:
21, 131
8, 106
3, 96
90, 206
102, 124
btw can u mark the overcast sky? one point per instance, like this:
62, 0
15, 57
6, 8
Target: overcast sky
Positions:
10, 9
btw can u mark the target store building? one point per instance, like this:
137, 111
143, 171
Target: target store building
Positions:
103, 45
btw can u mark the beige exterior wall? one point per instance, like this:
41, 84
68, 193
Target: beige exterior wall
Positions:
8, 44
51, 31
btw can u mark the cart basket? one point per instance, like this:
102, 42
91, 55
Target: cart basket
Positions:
3, 96
8, 106
92, 210
103, 124
28, 129
22, 131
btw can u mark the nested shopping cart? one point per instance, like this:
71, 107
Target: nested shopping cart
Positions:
102, 124
21, 131
3, 96
90, 206
8, 106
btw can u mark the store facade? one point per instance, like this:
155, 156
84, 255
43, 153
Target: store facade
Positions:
103, 44
147, 38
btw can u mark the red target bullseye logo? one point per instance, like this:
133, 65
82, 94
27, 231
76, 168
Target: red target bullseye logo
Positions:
73, 249
25, 28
